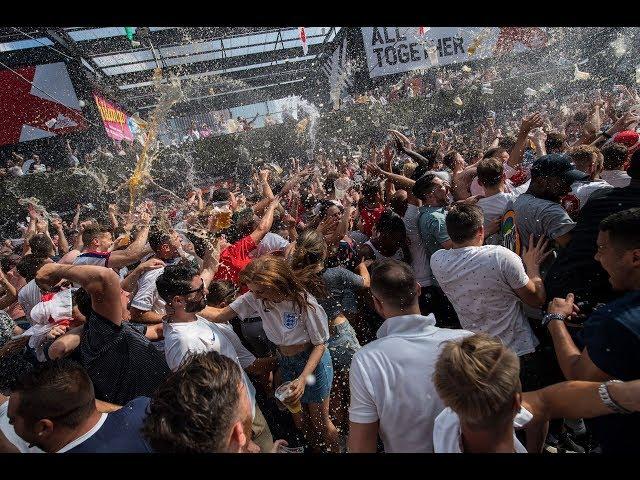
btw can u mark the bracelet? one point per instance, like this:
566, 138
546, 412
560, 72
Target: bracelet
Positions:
603, 391
605, 134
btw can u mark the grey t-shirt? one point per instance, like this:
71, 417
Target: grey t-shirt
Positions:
343, 286
540, 217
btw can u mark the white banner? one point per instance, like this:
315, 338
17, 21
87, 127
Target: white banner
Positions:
392, 50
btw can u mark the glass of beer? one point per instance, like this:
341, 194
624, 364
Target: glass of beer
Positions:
283, 392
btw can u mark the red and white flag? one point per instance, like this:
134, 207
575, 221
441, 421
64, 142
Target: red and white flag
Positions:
422, 31
303, 39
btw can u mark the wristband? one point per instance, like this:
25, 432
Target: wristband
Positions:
552, 316
605, 134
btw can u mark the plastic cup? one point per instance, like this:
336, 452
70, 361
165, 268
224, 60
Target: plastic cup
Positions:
342, 186
283, 392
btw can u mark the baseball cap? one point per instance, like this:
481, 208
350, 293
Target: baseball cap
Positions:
627, 138
557, 165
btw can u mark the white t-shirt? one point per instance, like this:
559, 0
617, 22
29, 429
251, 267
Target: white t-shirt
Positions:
448, 439
616, 178
390, 381
10, 433
272, 242
583, 190
480, 283
28, 297
147, 297
201, 336
282, 323
476, 189
419, 257
495, 206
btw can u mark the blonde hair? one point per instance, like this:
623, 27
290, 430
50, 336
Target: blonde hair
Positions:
307, 261
409, 168
276, 274
477, 377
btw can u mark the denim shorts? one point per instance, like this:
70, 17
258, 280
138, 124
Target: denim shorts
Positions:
342, 345
291, 368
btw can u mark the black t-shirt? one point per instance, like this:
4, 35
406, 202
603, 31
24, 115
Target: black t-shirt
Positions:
612, 339
576, 269
122, 363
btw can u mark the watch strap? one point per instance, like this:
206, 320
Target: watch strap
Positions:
603, 391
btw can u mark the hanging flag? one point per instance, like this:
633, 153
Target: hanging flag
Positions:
303, 39
422, 31
129, 31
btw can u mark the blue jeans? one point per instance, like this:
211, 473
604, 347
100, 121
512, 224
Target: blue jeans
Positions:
291, 368
342, 345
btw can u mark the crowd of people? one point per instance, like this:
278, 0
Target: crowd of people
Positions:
428, 296
70, 156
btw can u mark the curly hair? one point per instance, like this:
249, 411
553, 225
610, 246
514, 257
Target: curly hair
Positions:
193, 410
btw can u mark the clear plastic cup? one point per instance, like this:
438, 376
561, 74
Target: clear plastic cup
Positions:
283, 392
342, 186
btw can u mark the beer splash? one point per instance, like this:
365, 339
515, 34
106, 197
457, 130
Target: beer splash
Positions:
170, 93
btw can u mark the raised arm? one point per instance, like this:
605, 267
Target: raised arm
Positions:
211, 261
267, 193
267, 221
63, 245
528, 123
112, 215
10, 293
76, 218
131, 280
349, 201
102, 284
135, 251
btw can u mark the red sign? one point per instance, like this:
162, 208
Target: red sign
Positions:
38, 102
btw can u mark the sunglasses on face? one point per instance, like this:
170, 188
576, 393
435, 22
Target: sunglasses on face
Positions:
200, 289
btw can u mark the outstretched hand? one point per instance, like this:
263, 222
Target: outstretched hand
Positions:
536, 254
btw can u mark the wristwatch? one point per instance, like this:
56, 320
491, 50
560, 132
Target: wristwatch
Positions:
605, 134
552, 316
603, 391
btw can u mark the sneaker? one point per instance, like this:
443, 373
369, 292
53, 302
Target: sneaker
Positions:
549, 449
567, 445
577, 427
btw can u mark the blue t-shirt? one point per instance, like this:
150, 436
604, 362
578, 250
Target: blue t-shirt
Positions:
612, 338
120, 432
432, 227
